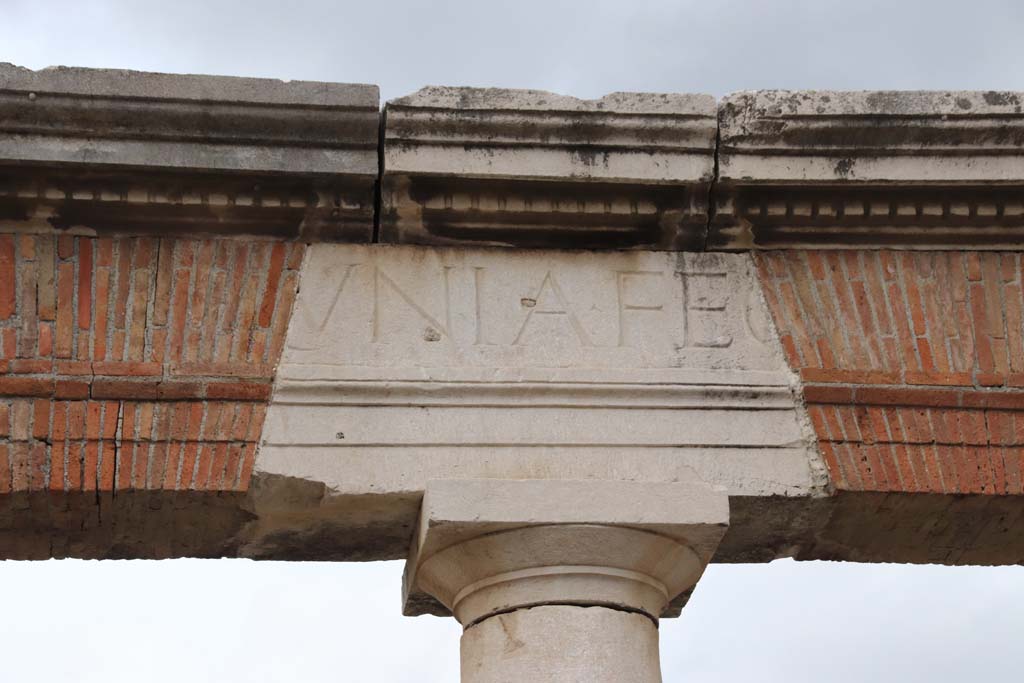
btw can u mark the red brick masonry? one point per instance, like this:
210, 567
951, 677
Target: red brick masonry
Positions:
912, 363
138, 363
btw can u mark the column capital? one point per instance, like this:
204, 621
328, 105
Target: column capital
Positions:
485, 547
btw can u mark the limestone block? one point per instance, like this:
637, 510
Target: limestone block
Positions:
113, 150
855, 169
409, 364
532, 168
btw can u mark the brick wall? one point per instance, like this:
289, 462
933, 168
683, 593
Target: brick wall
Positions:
137, 363
912, 364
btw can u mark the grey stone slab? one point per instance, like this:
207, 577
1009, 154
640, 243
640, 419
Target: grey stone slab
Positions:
887, 136
199, 123
124, 83
530, 168
262, 156
878, 169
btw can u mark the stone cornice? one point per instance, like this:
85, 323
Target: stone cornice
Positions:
623, 137
849, 169
888, 137
200, 124
529, 168
123, 151
102, 151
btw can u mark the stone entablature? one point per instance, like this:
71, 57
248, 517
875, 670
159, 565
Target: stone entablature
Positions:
102, 151
253, 318
112, 157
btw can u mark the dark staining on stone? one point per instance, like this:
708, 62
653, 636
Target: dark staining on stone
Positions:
963, 103
531, 235
133, 524
547, 214
14, 209
578, 131
997, 99
886, 102
210, 123
119, 202
730, 109
124, 218
771, 127
591, 157
298, 520
753, 226
332, 541
844, 168
585, 131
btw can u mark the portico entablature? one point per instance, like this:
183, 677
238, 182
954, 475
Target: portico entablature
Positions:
264, 319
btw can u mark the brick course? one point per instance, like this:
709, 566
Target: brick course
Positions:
137, 363
912, 363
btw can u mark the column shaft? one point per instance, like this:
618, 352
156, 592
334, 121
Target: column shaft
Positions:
562, 643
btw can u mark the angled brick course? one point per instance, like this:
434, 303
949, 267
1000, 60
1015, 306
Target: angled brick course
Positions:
137, 363
912, 364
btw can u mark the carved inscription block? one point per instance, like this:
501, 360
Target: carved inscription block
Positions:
404, 364
397, 307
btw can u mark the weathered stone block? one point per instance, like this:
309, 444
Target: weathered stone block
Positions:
535, 169
409, 364
855, 169
487, 546
102, 150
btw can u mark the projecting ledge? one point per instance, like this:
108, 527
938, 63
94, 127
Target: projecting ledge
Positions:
562, 565
113, 151
489, 545
529, 168
895, 169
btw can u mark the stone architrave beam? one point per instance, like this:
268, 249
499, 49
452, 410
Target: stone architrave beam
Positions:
408, 364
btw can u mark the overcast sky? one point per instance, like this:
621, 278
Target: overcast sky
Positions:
584, 48
236, 620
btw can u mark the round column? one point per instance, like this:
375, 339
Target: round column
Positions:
562, 643
567, 602
561, 581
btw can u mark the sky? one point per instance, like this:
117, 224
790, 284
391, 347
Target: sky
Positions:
585, 48
236, 620
206, 621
